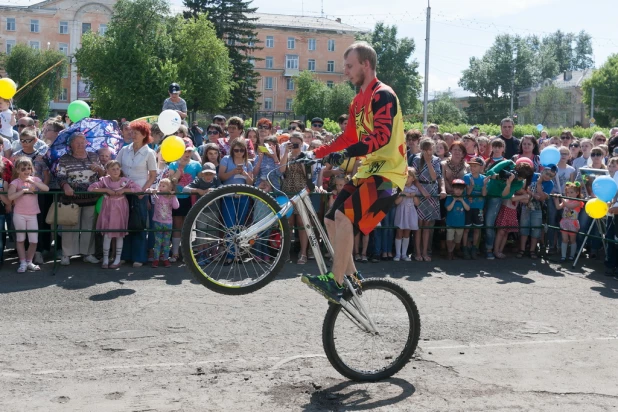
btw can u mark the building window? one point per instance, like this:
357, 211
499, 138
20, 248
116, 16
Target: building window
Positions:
34, 26
331, 45
64, 48
86, 27
270, 42
64, 27
289, 83
268, 83
291, 43
9, 46
64, 95
10, 24
252, 62
311, 65
269, 62
291, 61
102, 29
35, 45
230, 41
268, 103
65, 72
329, 84
330, 66
288, 104
311, 44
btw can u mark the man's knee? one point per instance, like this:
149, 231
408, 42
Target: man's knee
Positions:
341, 219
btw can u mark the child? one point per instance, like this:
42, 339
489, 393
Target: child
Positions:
105, 155
25, 210
7, 120
261, 211
406, 219
266, 161
476, 187
497, 153
569, 223
507, 221
584, 160
456, 208
541, 185
162, 221
211, 154
471, 146
484, 148
114, 213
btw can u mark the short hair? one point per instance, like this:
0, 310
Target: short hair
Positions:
612, 160
211, 146
597, 134
497, 143
264, 121
586, 141
154, 129
459, 143
27, 133
413, 134
342, 118
567, 133
29, 121
114, 163
435, 126
365, 52
271, 139
427, 143
506, 120
310, 132
216, 127
55, 126
300, 123
236, 121
142, 127
297, 135
183, 129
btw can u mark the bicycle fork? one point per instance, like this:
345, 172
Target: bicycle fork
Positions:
356, 309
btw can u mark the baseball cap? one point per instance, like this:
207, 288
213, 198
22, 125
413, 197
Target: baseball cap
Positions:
477, 160
473, 128
208, 167
218, 117
174, 88
317, 120
458, 182
188, 144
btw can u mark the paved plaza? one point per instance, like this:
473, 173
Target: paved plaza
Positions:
496, 336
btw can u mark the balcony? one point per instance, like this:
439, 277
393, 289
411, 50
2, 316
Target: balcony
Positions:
291, 72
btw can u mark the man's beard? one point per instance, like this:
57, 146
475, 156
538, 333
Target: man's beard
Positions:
361, 80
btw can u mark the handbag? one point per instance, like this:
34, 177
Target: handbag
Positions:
137, 218
68, 215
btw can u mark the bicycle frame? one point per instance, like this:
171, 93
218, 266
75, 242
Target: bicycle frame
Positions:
302, 203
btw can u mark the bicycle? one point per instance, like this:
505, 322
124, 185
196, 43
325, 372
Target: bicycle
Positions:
369, 336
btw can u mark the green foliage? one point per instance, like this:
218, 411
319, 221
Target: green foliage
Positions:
550, 107
520, 129
315, 99
396, 67
24, 64
605, 84
233, 25
331, 126
143, 51
443, 110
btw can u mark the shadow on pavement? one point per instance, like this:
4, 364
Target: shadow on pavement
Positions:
356, 396
112, 294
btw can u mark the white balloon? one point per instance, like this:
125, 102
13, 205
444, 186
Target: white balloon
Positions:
169, 121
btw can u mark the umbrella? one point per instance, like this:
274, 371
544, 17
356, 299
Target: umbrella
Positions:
98, 133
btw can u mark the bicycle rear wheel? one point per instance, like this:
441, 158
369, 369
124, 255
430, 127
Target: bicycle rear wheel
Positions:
211, 246
362, 356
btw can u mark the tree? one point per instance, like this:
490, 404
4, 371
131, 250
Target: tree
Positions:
395, 64
605, 84
233, 24
339, 100
315, 99
142, 52
24, 64
442, 110
549, 108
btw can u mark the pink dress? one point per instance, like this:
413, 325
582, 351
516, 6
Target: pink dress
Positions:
115, 209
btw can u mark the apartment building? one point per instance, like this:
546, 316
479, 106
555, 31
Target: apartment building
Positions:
55, 24
291, 44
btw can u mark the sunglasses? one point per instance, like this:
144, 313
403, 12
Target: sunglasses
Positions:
211, 132
565, 138
26, 140
317, 124
19, 126
574, 145
264, 127
239, 150
596, 154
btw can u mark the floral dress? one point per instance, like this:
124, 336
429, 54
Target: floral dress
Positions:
429, 207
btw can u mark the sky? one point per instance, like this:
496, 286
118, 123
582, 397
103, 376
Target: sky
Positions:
460, 29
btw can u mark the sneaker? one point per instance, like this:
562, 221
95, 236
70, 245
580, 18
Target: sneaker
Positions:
155, 264
173, 258
65, 261
407, 259
166, 263
137, 264
38, 258
33, 267
490, 256
571, 257
22, 267
396, 259
91, 259
325, 285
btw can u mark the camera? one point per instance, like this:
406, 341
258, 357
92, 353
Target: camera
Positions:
295, 145
505, 174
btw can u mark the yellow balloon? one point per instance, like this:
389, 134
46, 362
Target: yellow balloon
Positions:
8, 88
596, 208
172, 148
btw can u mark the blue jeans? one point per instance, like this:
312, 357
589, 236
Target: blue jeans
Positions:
135, 244
530, 218
384, 238
492, 207
235, 211
584, 224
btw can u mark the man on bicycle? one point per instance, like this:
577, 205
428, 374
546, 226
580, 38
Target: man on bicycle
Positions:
374, 133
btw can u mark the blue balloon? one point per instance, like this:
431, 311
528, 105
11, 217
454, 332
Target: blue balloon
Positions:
282, 200
550, 156
605, 188
539, 127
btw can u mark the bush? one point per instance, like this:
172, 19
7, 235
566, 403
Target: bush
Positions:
520, 129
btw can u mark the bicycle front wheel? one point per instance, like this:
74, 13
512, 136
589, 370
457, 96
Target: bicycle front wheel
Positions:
211, 245
362, 356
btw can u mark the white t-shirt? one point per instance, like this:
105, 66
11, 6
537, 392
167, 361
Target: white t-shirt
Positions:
6, 129
136, 166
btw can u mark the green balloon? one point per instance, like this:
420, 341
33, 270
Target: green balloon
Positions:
97, 206
78, 110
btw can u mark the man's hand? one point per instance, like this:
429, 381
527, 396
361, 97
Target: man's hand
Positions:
337, 158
